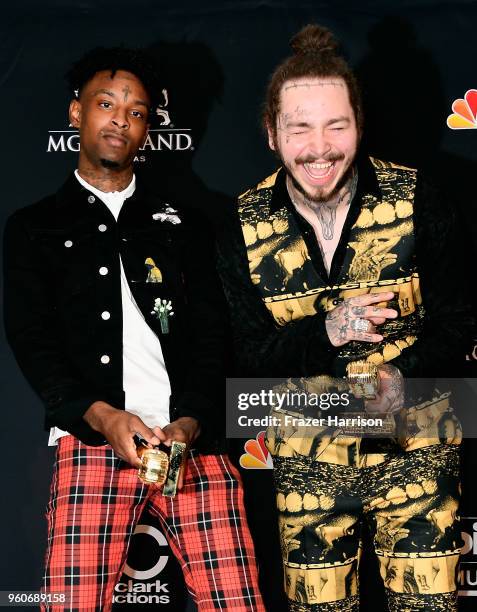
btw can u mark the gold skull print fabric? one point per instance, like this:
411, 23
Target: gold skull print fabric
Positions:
409, 502
379, 258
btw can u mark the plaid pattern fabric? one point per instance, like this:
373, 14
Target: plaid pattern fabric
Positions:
96, 500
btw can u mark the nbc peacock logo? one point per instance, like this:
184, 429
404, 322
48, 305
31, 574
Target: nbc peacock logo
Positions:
464, 116
256, 456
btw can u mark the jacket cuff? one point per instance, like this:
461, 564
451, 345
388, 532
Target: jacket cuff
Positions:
201, 408
67, 414
190, 404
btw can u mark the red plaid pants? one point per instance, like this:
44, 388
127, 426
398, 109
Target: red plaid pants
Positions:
96, 500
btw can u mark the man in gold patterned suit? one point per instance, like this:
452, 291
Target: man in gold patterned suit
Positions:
338, 258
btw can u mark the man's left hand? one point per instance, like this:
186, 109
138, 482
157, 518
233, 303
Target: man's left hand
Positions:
390, 396
183, 429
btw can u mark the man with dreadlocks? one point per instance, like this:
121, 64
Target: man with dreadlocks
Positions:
115, 315
322, 267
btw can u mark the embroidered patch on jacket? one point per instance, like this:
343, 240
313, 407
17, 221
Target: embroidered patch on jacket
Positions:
170, 215
163, 311
154, 274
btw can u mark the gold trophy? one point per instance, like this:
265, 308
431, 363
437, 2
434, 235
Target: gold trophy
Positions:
160, 467
363, 380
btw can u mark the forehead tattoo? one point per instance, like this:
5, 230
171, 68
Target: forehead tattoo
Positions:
310, 84
126, 92
298, 114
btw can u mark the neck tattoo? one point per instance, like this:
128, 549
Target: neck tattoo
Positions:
326, 211
327, 218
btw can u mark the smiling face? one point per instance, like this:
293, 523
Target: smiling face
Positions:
316, 135
112, 117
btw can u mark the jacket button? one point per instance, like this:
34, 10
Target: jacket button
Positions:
68, 244
103, 270
91, 199
105, 359
102, 227
105, 315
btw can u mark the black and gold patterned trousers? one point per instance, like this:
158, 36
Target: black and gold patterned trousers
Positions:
410, 503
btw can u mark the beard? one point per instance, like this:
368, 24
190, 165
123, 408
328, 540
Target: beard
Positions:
320, 194
109, 164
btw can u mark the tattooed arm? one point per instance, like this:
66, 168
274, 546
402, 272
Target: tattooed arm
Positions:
299, 348
390, 397
341, 322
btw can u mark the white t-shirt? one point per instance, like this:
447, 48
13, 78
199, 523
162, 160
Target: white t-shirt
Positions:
145, 380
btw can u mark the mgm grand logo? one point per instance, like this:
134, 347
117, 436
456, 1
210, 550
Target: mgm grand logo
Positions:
166, 137
467, 576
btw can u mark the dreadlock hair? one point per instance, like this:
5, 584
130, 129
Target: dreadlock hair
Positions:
136, 61
315, 56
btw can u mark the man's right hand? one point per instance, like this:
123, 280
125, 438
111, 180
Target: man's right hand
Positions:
345, 322
119, 428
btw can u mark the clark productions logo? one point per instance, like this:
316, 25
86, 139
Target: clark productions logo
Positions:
464, 115
145, 586
467, 576
166, 137
256, 456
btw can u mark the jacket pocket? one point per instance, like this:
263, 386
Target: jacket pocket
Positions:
68, 261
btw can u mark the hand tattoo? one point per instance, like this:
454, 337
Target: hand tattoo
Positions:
395, 387
347, 322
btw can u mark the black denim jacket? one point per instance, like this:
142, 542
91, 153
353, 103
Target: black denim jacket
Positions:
62, 271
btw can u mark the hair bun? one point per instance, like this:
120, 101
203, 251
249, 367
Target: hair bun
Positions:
313, 39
